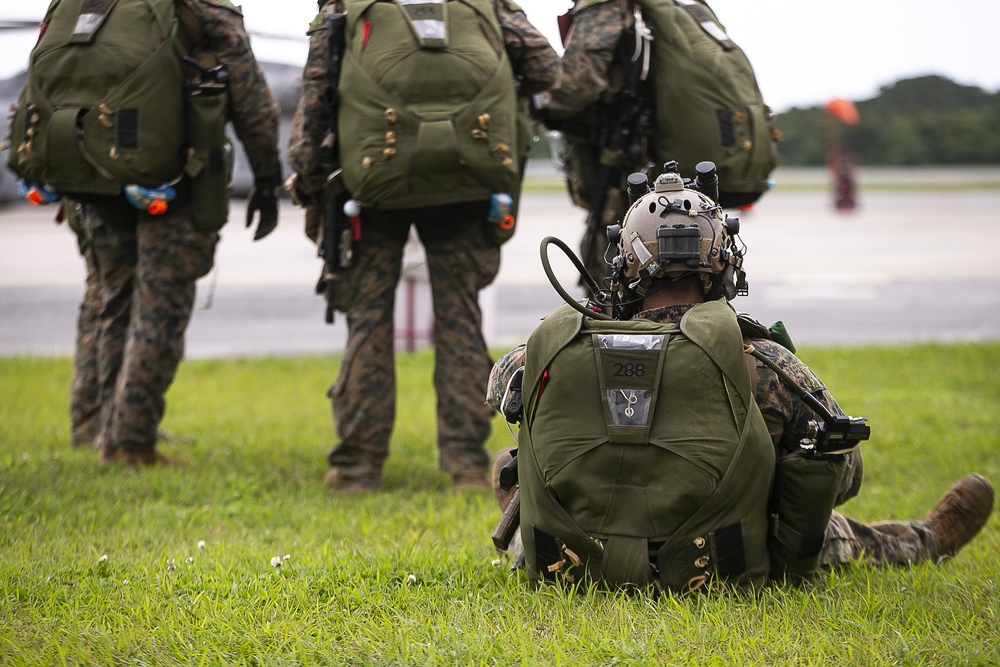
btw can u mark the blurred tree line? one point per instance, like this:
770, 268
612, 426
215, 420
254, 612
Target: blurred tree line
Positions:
929, 120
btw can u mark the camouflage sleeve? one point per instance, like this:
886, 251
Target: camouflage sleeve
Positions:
586, 63
788, 417
254, 111
311, 142
535, 62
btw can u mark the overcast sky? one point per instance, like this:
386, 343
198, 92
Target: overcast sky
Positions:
804, 52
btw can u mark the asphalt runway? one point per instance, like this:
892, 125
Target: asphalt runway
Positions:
910, 264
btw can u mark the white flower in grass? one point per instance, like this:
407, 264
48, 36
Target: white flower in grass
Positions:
201, 545
287, 557
495, 562
189, 560
171, 566
103, 559
276, 561
411, 579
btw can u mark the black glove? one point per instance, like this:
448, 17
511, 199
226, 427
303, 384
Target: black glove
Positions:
263, 198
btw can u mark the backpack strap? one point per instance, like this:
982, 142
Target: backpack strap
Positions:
191, 38
748, 350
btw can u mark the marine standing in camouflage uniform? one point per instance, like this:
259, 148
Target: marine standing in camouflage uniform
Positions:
461, 261
149, 264
588, 79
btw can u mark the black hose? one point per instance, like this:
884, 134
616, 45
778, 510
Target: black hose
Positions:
591, 283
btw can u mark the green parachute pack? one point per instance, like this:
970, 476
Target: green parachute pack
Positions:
427, 105
104, 103
707, 101
643, 457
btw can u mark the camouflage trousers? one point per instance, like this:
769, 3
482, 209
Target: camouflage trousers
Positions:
84, 399
148, 267
885, 543
461, 262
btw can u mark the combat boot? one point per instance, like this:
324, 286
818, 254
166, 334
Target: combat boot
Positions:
336, 480
109, 453
83, 436
961, 513
469, 480
135, 459
147, 458
503, 457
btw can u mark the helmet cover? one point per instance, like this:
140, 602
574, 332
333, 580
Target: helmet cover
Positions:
673, 231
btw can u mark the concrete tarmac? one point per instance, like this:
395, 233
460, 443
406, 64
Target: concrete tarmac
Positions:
910, 264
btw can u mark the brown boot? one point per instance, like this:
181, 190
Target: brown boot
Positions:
147, 458
83, 439
962, 511
502, 458
109, 454
335, 480
469, 480
118, 456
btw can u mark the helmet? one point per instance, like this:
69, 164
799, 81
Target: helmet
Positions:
675, 230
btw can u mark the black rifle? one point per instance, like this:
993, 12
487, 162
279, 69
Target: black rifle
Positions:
620, 133
337, 231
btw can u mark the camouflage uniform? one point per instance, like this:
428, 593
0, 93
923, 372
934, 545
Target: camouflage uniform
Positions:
586, 64
148, 264
787, 416
461, 261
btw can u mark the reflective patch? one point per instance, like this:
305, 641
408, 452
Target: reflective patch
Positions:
630, 341
87, 23
430, 29
628, 368
429, 21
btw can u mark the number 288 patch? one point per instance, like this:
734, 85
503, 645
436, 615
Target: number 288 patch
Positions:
628, 375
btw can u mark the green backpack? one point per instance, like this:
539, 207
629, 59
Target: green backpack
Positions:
104, 102
627, 474
708, 105
428, 111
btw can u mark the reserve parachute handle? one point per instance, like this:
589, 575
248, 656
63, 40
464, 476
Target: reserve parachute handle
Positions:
591, 283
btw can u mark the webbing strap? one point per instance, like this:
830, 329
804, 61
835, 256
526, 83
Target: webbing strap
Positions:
804, 545
626, 562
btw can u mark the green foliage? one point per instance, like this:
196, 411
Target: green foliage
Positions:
405, 576
928, 120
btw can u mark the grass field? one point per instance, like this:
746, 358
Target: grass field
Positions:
105, 566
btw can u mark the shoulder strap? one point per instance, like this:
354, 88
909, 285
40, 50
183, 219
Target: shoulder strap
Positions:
191, 38
777, 332
751, 364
